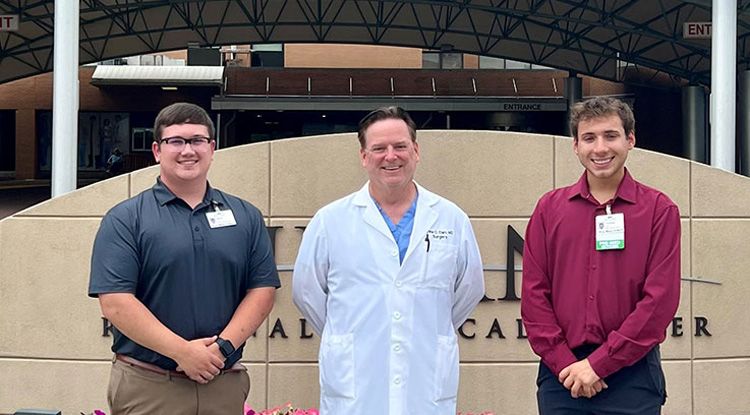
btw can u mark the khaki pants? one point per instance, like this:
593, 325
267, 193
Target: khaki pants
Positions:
134, 391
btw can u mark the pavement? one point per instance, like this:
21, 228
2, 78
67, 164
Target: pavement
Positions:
17, 195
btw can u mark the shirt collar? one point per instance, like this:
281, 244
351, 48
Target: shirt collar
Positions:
626, 191
164, 195
363, 196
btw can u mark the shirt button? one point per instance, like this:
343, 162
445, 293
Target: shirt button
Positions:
397, 315
197, 229
593, 267
397, 347
591, 297
399, 283
397, 380
394, 253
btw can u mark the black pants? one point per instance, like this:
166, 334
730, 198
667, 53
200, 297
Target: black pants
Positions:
637, 389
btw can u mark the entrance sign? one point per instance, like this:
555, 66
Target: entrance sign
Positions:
8, 22
696, 30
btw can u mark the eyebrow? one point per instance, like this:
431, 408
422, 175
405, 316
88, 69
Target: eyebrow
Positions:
605, 132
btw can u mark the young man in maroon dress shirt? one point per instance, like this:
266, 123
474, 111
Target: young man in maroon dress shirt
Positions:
601, 276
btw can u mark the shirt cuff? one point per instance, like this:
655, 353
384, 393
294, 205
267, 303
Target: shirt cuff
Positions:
559, 359
601, 363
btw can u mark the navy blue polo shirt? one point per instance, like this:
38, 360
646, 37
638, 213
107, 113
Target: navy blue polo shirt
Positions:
190, 276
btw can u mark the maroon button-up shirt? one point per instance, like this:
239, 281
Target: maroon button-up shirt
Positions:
575, 295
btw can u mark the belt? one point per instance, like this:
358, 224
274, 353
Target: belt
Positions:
237, 367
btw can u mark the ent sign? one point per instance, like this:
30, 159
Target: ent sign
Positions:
696, 30
8, 22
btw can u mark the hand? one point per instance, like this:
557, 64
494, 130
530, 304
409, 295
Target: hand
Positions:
581, 379
214, 348
596, 388
198, 361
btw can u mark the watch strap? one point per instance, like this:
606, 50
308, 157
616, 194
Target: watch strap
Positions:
225, 346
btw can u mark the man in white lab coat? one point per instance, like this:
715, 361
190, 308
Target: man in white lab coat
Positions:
385, 276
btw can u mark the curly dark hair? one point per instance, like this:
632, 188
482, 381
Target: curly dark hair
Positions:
601, 107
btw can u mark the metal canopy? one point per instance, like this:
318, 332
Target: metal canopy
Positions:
583, 36
158, 75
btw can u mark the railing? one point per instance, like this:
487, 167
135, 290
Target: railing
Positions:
393, 83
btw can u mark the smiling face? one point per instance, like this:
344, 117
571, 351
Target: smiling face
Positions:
389, 155
602, 148
188, 165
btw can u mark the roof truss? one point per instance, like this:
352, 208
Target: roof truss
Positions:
591, 37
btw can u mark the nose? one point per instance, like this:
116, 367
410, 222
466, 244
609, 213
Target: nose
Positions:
600, 145
390, 153
187, 148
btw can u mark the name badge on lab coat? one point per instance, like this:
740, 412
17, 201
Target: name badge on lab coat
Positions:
610, 232
220, 219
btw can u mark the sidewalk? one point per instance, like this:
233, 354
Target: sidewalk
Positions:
17, 195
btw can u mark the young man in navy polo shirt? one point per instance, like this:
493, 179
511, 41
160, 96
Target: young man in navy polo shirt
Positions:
601, 276
186, 274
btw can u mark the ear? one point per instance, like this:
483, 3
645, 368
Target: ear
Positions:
575, 145
631, 140
416, 150
362, 156
156, 150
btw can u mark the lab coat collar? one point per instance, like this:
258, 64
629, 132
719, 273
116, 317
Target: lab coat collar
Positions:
425, 216
363, 198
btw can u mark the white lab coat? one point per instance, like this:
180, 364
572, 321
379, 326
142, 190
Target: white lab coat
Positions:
388, 342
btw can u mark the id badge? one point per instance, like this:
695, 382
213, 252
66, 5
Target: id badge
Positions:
610, 232
220, 219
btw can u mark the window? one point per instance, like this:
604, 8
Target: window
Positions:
509, 64
142, 139
431, 60
542, 67
267, 56
442, 60
451, 60
489, 62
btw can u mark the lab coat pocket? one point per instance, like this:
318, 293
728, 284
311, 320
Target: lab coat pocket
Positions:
439, 270
446, 369
337, 365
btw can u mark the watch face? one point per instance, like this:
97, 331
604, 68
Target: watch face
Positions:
225, 347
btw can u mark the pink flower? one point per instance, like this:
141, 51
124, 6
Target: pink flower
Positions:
98, 412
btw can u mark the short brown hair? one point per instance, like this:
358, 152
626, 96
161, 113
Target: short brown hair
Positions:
182, 113
601, 107
385, 113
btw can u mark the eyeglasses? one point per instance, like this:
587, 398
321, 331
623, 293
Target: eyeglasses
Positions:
178, 143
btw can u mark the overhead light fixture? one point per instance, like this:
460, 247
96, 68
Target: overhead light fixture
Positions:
323, 115
169, 88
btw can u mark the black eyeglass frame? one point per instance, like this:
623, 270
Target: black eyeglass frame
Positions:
185, 141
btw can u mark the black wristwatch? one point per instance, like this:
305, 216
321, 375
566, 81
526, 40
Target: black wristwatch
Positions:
225, 346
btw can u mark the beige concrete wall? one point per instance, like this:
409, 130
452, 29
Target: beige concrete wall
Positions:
53, 355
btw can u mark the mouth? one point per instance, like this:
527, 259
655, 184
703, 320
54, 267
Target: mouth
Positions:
187, 162
602, 161
391, 168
